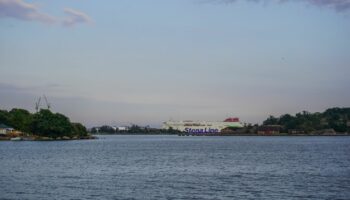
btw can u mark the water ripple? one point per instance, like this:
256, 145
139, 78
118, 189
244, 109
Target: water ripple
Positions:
171, 167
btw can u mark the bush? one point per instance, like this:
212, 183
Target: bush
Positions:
46, 123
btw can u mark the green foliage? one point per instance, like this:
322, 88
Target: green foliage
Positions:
271, 121
333, 118
43, 123
79, 129
46, 123
288, 121
94, 130
107, 129
135, 129
337, 118
4, 117
20, 119
172, 131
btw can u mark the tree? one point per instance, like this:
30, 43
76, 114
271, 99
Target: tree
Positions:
46, 123
4, 117
107, 129
135, 129
271, 121
333, 118
42, 123
20, 119
79, 129
288, 122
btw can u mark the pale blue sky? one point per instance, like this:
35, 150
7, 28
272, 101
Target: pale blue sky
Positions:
147, 61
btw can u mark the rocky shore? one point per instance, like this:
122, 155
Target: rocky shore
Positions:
39, 138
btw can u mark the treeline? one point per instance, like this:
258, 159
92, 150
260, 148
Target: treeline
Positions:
337, 119
133, 129
43, 123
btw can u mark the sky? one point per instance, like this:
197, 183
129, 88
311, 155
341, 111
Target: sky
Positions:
122, 62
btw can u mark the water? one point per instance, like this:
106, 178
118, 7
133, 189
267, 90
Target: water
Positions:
172, 167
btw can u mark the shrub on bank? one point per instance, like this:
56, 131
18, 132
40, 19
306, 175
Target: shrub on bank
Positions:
43, 123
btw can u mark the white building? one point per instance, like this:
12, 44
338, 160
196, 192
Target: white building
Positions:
4, 129
122, 128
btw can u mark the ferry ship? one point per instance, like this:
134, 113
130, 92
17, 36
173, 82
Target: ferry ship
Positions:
189, 126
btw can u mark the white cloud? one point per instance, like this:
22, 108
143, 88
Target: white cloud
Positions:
75, 17
21, 10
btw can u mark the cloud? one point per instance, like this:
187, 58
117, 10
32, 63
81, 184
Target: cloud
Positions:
75, 17
21, 10
338, 5
18, 9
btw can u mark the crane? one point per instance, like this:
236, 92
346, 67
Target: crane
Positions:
47, 102
38, 103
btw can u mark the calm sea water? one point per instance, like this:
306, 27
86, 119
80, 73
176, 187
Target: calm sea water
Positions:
173, 167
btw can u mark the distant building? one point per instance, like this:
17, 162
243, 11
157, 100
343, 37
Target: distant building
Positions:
122, 128
4, 129
269, 129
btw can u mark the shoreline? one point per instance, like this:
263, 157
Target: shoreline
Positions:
38, 138
93, 137
281, 135
185, 134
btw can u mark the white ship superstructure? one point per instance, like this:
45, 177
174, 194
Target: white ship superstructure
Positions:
202, 126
